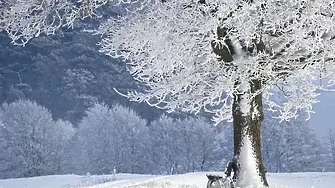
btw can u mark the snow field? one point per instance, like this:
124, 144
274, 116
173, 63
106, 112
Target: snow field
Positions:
189, 180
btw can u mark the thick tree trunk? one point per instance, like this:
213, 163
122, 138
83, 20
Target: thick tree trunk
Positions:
251, 122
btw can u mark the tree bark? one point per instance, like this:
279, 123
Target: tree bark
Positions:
251, 122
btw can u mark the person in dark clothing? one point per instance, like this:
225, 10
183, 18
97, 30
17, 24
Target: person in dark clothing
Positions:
232, 165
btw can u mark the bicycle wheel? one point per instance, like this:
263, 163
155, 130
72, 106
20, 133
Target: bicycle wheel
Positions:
219, 183
214, 184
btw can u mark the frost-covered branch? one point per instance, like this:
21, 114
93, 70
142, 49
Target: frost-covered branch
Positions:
26, 19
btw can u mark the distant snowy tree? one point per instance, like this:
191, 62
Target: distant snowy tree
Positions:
111, 137
224, 146
180, 146
74, 160
166, 145
99, 140
198, 138
330, 151
332, 147
32, 143
290, 147
274, 144
62, 131
133, 131
227, 57
303, 152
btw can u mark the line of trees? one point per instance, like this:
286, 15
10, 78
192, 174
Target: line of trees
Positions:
32, 143
116, 136
291, 147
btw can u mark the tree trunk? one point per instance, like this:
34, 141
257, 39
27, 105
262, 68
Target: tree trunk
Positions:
251, 122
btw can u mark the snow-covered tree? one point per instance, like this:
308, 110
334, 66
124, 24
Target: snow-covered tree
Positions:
227, 57
166, 145
98, 140
330, 148
198, 138
113, 137
74, 159
224, 146
62, 132
133, 131
273, 144
31, 142
181, 145
290, 147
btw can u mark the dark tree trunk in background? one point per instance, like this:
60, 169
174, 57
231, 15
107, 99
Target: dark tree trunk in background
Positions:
251, 124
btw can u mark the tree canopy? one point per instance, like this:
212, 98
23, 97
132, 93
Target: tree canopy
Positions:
285, 45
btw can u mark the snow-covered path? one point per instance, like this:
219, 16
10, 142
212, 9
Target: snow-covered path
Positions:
190, 180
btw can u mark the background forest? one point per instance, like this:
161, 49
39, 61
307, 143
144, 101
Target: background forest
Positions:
60, 114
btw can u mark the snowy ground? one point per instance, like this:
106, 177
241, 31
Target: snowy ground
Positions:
190, 180
68, 181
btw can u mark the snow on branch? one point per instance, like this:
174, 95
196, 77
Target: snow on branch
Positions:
26, 19
194, 55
